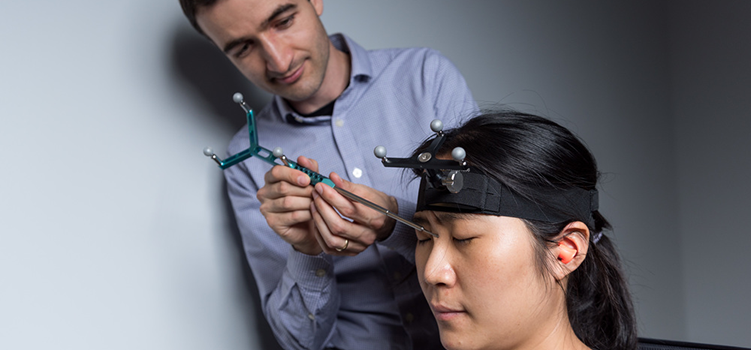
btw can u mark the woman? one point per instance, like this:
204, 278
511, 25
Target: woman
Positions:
519, 261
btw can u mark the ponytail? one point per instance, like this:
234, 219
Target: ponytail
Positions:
598, 301
597, 298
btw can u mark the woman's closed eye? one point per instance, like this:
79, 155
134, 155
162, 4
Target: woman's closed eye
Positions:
463, 240
422, 237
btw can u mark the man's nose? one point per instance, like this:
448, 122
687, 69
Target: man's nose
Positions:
277, 55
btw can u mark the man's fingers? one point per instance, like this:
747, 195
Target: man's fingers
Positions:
334, 223
282, 173
309, 163
330, 243
336, 226
279, 189
282, 221
345, 206
285, 204
339, 182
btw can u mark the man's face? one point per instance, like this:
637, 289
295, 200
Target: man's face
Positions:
279, 45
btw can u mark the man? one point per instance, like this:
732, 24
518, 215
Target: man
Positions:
327, 282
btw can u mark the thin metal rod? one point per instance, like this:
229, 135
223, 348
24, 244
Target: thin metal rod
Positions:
382, 210
216, 159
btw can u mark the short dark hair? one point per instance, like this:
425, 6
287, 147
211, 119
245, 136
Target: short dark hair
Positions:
190, 9
534, 157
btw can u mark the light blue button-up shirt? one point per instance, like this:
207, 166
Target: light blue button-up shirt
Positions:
372, 300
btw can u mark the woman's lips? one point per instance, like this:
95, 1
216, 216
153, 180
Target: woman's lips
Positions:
443, 313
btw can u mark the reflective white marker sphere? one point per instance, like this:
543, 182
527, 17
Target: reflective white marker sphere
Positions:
277, 152
208, 152
237, 97
458, 154
436, 125
380, 151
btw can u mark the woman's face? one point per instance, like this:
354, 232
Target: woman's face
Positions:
481, 280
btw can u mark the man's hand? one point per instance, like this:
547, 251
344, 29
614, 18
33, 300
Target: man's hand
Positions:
334, 233
285, 203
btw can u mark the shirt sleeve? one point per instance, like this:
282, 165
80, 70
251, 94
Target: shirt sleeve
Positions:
298, 292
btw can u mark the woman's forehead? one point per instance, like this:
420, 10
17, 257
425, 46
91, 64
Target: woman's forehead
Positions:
448, 218
442, 217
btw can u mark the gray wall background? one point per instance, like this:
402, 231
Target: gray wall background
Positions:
115, 232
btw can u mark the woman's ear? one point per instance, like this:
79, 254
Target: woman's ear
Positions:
573, 243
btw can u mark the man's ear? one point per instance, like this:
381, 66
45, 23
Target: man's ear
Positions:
571, 249
318, 6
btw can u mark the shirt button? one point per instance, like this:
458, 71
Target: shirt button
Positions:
357, 173
409, 317
397, 275
339, 123
312, 317
320, 272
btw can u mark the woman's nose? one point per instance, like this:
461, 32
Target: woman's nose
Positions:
438, 270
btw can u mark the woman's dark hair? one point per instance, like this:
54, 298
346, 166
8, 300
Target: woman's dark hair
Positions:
534, 157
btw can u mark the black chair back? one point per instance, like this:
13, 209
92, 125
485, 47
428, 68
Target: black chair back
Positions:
657, 344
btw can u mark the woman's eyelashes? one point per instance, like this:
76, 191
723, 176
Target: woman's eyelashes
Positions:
423, 238
463, 241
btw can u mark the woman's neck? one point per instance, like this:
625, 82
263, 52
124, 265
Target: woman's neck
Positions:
555, 333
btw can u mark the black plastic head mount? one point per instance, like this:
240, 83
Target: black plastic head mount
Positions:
439, 172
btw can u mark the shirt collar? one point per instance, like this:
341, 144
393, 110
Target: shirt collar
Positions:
362, 71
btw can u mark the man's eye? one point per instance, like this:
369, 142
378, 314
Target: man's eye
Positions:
242, 50
285, 22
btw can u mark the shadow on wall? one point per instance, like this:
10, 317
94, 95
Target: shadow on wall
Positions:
201, 66
263, 330
198, 64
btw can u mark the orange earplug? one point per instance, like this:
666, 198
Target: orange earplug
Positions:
566, 253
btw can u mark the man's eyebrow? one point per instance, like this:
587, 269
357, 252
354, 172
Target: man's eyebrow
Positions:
277, 12
231, 45
281, 9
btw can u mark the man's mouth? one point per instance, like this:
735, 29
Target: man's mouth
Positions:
291, 78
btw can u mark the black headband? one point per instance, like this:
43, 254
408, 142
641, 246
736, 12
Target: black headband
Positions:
481, 194
454, 186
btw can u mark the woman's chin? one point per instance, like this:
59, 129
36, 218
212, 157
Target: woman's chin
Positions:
456, 339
